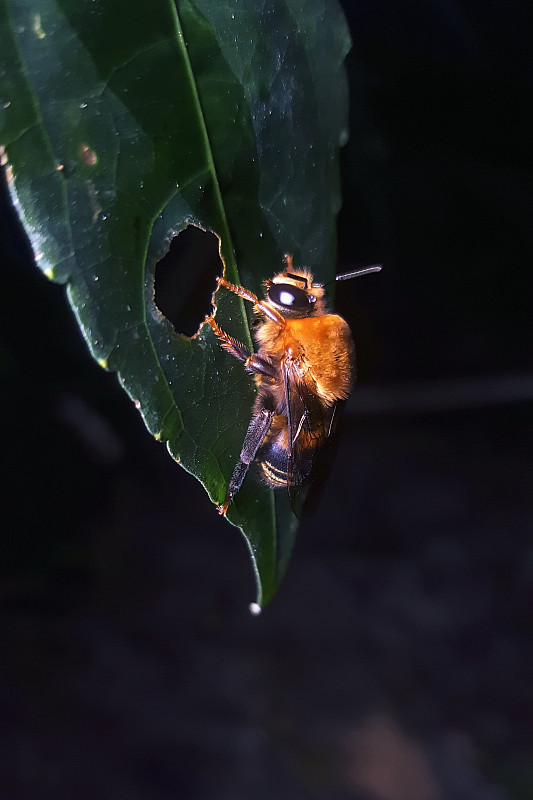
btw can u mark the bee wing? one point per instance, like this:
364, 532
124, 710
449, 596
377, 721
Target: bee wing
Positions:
310, 424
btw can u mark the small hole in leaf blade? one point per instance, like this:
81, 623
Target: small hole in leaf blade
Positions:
185, 279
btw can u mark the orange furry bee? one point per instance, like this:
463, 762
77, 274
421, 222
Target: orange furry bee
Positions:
303, 370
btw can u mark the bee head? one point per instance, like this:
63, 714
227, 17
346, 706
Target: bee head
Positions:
294, 294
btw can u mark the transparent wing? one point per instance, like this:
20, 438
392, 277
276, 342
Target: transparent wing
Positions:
310, 425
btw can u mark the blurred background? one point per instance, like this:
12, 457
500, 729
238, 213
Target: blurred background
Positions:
395, 662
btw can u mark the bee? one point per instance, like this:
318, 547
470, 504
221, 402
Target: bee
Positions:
304, 371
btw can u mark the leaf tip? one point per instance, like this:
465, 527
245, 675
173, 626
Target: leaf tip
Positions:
255, 609
101, 361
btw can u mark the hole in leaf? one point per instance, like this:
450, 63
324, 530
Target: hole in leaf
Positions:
185, 279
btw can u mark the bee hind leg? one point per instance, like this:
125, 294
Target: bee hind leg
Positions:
257, 430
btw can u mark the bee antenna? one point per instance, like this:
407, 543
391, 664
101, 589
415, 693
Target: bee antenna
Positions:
345, 276
354, 273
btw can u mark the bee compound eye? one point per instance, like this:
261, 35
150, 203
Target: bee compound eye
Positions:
288, 296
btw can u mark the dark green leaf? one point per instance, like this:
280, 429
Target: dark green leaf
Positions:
121, 123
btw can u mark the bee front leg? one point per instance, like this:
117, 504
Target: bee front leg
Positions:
257, 430
259, 305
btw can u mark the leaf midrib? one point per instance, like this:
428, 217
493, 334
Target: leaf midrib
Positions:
209, 153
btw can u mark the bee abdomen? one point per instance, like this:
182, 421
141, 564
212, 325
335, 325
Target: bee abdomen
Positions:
275, 478
273, 461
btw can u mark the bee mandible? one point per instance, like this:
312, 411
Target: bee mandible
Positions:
303, 370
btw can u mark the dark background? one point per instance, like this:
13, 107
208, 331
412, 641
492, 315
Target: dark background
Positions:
394, 661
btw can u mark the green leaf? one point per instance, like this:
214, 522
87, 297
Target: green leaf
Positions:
120, 124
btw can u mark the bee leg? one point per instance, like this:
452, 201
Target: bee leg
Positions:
260, 365
252, 362
246, 294
260, 305
257, 430
230, 344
